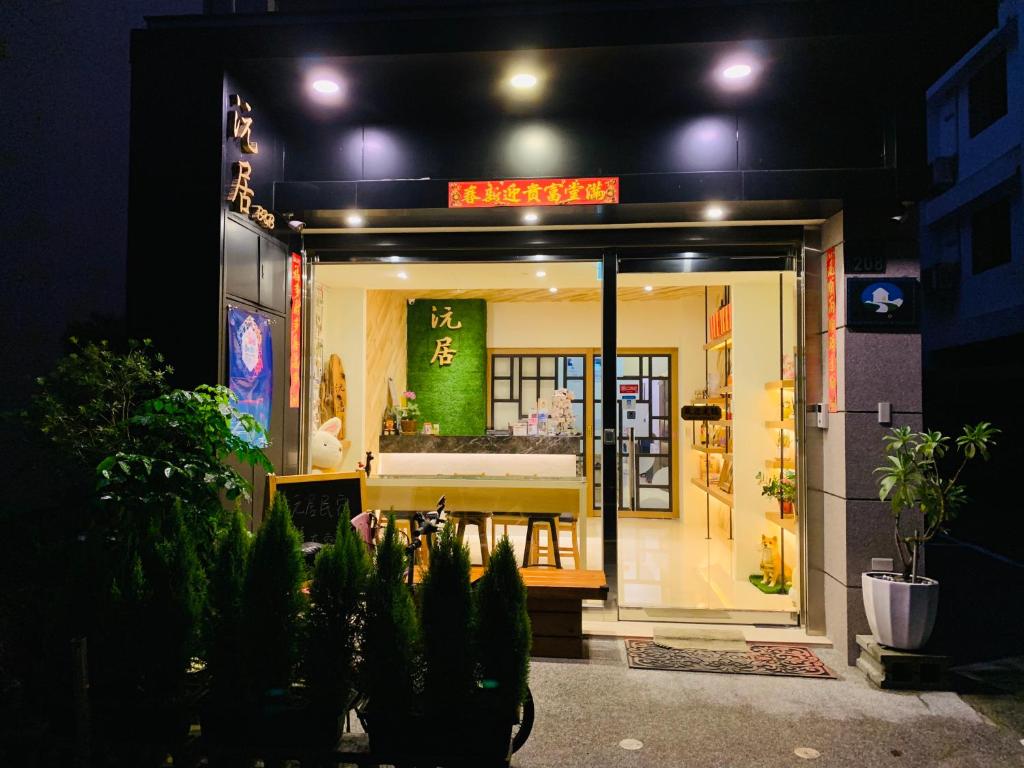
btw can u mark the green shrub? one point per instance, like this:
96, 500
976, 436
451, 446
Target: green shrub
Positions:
446, 611
335, 617
503, 630
272, 601
392, 637
225, 634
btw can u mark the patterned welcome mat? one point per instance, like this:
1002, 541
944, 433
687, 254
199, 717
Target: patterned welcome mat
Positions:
758, 659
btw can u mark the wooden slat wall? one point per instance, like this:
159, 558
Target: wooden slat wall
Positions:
385, 356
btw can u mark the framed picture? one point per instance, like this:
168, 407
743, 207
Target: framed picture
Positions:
725, 477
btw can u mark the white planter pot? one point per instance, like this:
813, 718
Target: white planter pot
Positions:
901, 614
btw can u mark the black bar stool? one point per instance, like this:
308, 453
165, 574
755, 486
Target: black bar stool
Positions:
544, 518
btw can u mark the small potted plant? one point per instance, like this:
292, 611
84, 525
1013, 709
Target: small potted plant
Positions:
409, 413
916, 477
782, 488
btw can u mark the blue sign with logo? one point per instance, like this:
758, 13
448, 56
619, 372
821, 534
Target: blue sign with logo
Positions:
881, 304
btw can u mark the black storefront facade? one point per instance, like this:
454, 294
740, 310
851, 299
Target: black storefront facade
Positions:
804, 164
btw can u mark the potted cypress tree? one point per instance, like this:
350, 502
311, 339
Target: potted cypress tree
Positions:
503, 639
391, 654
272, 604
334, 624
921, 474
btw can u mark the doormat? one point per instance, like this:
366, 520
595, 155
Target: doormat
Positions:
758, 659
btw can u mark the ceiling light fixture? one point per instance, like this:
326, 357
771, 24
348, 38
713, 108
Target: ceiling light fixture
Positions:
541, 273
523, 80
737, 71
326, 86
552, 289
648, 288
402, 276
714, 212
530, 218
355, 220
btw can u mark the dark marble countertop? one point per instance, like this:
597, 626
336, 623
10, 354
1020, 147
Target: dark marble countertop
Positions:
560, 444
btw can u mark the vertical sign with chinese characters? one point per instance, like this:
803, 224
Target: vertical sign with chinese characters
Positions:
833, 350
447, 363
240, 193
295, 332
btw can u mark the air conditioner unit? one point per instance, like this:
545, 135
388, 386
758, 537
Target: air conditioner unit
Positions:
944, 170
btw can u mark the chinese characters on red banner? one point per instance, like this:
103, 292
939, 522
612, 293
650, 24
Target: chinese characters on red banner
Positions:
295, 330
830, 297
530, 192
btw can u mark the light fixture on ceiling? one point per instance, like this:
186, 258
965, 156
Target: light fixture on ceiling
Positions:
523, 80
355, 220
714, 212
394, 258
402, 276
552, 289
326, 86
541, 273
530, 217
648, 288
737, 71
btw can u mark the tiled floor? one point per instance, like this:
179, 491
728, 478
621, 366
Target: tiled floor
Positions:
669, 564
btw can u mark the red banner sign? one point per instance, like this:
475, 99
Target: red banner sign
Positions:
830, 297
532, 192
295, 331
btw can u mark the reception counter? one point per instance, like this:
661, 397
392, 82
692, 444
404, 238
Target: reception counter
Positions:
504, 495
491, 455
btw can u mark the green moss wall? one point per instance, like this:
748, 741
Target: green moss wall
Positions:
454, 396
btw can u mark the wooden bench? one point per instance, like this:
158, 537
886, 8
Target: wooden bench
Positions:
554, 600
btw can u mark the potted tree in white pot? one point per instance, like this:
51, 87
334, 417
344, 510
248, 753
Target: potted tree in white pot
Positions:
916, 477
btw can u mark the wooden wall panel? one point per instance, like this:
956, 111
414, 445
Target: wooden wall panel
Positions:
385, 356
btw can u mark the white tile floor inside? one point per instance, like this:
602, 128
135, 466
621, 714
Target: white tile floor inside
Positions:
670, 567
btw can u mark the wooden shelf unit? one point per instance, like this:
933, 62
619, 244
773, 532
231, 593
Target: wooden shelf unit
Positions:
783, 424
714, 491
710, 449
778, 384
780, 463
721, 341
785, 523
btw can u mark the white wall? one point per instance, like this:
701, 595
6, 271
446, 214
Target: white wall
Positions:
344, 334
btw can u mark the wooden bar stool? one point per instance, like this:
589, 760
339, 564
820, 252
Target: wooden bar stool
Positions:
567, 523
479, 519
403, 522
549, 519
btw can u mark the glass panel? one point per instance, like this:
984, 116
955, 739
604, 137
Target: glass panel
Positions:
547, 366
529, 395
547, 390
661, 428
659, 365
660, 398
505, 414
574, 367
502, 366
529, 366
629, 365
502, 389
577, 415
576, 387
653, 499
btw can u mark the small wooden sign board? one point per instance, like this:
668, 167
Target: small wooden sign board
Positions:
317, 501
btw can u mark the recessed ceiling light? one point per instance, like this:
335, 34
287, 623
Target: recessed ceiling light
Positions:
541, 273
402, 276
393, 258
648, 288
552, 289
530, 218
326, 86
714, 212
523, 80
737, 71
355, 220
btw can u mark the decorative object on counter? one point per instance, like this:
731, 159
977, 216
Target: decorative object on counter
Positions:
368, 464
428, 428
782, 488
901, 607
409, 412
334, 393
437, 429
561, 412
788, 367
326, 450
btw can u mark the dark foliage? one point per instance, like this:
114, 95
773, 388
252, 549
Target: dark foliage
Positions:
225, 634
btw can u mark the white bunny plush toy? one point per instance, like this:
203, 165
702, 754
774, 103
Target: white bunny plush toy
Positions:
325, 453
